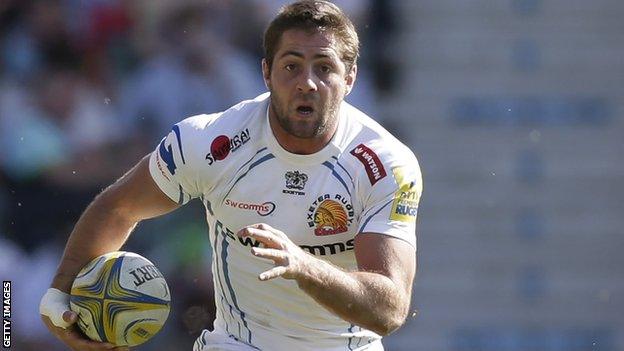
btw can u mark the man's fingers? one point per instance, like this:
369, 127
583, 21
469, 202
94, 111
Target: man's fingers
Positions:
276, 256
48, 322
268, 228
273, 273
73, 338
262, 226
266, 237
77, 340
272, 254
70, 317
254, 232
53, 304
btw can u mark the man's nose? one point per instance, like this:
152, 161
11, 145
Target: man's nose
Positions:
307, 81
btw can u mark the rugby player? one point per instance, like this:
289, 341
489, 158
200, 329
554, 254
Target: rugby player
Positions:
310, 204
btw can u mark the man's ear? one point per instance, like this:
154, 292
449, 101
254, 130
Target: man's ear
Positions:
350, 79
266, 73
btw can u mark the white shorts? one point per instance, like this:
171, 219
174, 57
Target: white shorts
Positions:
215, 341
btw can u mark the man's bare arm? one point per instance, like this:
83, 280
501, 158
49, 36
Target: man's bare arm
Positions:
376, 297
108, 220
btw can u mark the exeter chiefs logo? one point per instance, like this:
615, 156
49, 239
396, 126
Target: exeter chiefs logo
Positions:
330, 216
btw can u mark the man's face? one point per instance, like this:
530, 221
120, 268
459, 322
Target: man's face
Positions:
308, 81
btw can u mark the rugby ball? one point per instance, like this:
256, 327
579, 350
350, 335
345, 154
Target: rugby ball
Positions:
120, 298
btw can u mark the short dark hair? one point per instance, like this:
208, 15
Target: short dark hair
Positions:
312, 15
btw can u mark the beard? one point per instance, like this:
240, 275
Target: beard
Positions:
322, 119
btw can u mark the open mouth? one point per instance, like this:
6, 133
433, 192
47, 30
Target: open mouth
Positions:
305, 110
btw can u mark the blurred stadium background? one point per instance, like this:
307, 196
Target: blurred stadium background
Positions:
514, 108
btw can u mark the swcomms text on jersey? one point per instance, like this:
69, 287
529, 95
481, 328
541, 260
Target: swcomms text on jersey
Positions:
329, 249
317, 250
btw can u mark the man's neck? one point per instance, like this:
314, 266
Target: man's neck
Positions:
296, 145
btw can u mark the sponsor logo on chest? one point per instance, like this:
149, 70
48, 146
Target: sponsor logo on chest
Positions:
263, 209
324, 249
330, 215
223, 145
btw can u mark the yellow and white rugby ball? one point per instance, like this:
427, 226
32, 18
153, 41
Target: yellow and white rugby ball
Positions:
121, 298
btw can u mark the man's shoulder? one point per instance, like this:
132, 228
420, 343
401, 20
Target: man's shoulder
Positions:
372, 154
229, 120
213, 136
367, 135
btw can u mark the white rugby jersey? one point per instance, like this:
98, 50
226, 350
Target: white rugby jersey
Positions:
364, 180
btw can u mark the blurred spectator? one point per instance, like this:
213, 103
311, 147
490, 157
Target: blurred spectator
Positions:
39, 39
196, 72
55, 143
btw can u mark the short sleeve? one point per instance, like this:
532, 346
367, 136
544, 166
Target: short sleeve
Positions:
171, 164
392, 205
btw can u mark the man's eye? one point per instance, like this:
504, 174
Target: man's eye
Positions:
326, 69
289, 67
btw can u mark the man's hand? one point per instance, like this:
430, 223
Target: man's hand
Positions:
290, 261
103, 227
375, 297
60, 320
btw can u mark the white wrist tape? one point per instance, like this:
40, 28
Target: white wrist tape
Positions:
53, 304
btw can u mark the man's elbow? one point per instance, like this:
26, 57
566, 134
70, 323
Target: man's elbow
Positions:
389, 325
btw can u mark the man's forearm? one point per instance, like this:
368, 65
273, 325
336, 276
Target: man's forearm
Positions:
375, 301
367, 299
100, 229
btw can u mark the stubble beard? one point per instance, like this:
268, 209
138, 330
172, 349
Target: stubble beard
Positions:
305, 129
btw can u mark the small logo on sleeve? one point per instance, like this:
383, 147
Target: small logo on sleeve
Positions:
374, 168
405, 203
223, 145
166, 151
160, 166
166, 154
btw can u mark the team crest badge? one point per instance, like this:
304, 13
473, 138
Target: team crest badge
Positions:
295, 182
329, 216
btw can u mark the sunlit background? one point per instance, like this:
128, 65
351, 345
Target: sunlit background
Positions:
514, 108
